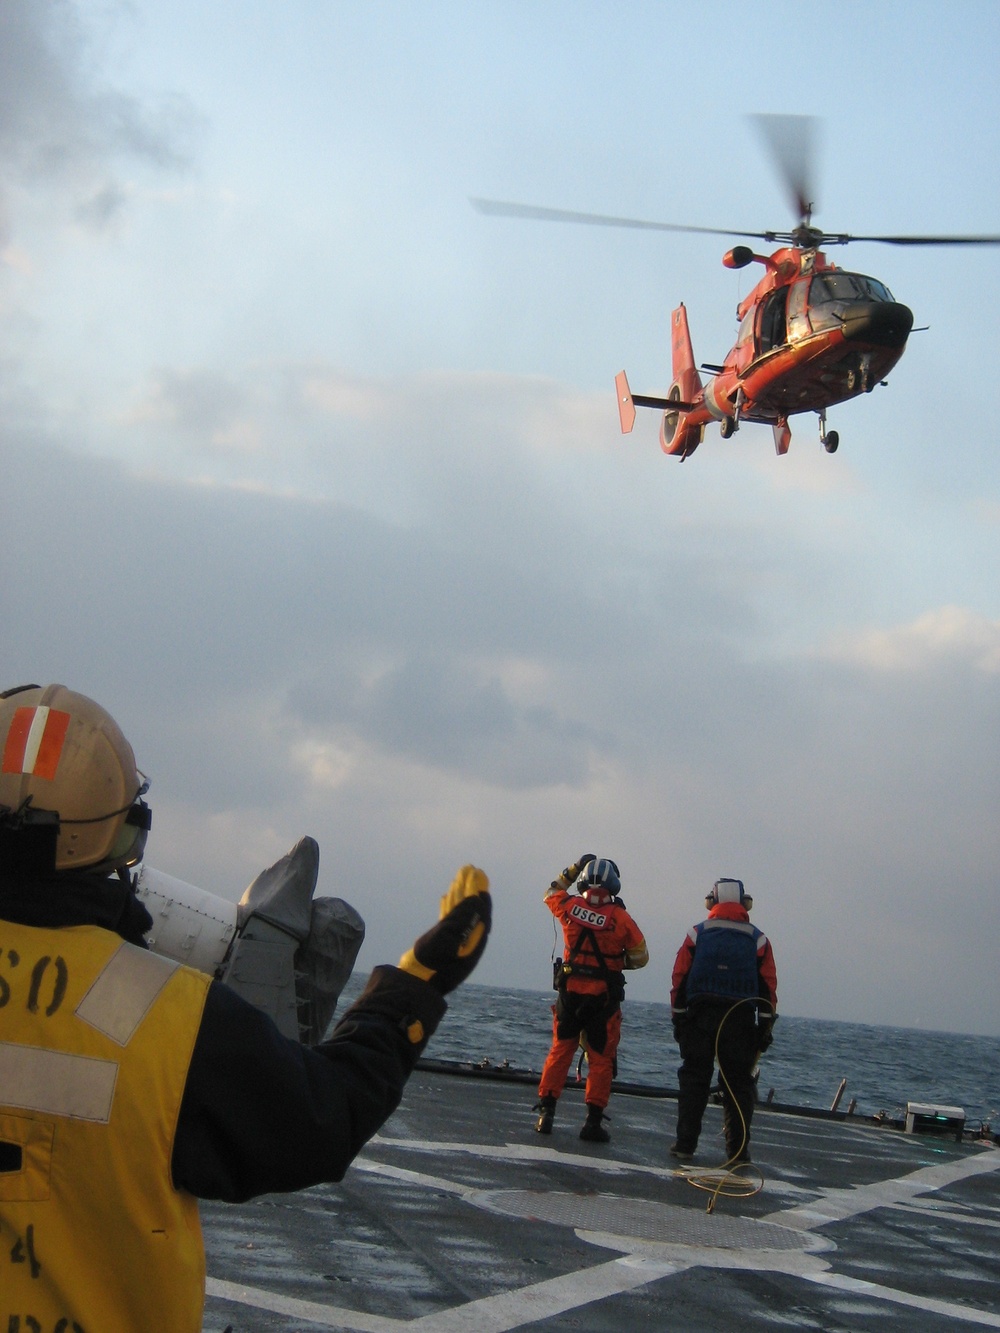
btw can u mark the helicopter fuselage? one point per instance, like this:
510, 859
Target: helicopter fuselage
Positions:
808, 343
810, 335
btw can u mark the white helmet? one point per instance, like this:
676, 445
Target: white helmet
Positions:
69, 788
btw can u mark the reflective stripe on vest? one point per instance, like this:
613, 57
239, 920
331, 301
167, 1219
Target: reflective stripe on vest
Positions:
57, 1083
121, 996
725, 960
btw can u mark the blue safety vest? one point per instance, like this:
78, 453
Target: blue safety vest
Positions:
725, 960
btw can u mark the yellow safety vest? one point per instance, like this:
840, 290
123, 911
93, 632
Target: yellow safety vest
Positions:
96, 1037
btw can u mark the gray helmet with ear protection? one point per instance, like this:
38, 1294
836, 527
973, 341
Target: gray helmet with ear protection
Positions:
728, 891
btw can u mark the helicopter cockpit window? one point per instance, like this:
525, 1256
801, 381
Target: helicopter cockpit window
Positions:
876, 290
746, 328
830, 292
840, 286
773, 329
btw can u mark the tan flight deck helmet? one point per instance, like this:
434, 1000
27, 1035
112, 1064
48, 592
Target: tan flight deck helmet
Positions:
63, 755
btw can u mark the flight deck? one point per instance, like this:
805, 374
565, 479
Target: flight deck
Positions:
458, 1216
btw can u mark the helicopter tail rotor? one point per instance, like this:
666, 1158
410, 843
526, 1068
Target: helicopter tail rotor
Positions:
629, 401
683, 425
684, 411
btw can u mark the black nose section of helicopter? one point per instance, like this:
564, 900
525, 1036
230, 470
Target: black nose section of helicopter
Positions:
881, 323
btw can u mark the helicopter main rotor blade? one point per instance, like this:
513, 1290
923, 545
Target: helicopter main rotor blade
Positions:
499, 209
791, 141
927, 240
804, 236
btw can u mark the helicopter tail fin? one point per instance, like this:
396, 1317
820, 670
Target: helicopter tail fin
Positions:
679, 434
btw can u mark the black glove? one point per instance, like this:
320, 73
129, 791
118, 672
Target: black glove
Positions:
766, 1032
408, 1004
571, 872
446, 954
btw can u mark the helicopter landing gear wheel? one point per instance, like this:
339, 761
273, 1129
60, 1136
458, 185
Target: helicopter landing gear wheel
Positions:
727, 428
829, 439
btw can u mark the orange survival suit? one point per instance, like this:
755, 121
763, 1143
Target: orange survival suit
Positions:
601, 940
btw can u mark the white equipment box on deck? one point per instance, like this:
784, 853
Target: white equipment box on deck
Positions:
924, 1118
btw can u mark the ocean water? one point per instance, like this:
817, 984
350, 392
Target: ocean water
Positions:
885, 1067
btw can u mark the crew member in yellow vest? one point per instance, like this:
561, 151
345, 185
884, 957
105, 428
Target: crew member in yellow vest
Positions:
130, 1085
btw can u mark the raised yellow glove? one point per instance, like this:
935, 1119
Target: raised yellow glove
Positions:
445, 955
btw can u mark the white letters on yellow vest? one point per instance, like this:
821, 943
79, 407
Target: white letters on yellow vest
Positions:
95, 1041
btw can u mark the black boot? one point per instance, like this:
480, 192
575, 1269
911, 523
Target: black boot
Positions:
593, 1131
547, 1106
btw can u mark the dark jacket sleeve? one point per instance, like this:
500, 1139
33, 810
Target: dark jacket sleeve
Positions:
262, 1113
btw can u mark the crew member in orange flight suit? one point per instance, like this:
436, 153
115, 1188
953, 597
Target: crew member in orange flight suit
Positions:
601, 940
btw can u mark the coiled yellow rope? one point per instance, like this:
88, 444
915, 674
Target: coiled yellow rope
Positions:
727, 1181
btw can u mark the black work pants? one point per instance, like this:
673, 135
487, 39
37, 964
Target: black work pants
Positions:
736, 1033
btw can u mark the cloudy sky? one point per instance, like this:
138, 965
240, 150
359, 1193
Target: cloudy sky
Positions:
313, 475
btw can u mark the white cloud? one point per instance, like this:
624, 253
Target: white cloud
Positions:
986, 511
16, 258
931, 640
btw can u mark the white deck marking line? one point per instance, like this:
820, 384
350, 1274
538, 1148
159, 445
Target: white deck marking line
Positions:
326, 1316
678, 1255
858, 1287
526, 1305
839, 1204
523, 1152
408, 1177
946, 1215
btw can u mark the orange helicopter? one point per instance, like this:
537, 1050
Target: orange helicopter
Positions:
811, 334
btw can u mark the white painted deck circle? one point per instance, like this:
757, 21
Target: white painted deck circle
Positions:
646, 1220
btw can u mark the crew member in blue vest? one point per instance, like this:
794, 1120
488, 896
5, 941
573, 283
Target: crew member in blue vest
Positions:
724, 1000
130, 1085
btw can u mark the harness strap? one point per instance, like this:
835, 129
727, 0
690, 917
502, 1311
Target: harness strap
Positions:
597, 970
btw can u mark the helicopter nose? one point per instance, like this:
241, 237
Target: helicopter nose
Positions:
881, 323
